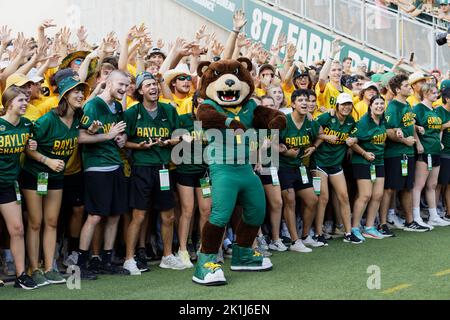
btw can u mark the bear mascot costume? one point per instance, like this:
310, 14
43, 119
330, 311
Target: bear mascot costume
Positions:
227, 87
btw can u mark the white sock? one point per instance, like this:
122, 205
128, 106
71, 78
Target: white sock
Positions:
416, 213
433, 213
391, 212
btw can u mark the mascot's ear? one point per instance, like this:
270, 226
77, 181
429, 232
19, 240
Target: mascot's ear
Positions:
246, 63
202, 67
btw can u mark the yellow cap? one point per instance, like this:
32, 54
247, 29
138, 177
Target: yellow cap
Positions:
17, 80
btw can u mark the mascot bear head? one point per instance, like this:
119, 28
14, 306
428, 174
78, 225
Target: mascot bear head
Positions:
227, 82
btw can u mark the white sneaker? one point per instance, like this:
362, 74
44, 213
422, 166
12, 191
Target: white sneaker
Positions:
396, 222
172, 262
185, 258
262, 243
131, 266
277, 245
438, 222
312, 243
298, 246
423, 224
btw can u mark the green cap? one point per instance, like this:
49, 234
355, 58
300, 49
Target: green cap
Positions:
443, 2
386, 78
445, 84
376, 77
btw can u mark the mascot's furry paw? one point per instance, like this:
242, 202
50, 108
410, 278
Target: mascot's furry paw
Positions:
279, 122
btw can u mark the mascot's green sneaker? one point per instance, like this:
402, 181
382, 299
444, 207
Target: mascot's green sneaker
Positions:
208, 272
247, 259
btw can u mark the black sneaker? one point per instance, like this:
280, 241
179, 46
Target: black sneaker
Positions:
321, 238
24, 281
351, 238
142, 266
415, 227
385, 231
94, 265
141, 254
109, 268
85, 274
286, 241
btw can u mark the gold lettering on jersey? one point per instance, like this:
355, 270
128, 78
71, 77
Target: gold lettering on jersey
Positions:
13, 143
65, 147
152, 132
434, 123
342, 137
379, 139
294, 142
408, 119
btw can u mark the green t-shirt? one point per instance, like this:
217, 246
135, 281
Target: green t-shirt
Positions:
399, 116
106, 153
430, 120
193, 161
302, 138
331, 155
55, 140
372, 138
445, 116
227, 148
13, 140
141, 126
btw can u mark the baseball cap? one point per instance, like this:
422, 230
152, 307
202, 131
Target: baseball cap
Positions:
265, 67
33, 76
142, 77
17, 80
155, 51
443, 2
369, 84
344, 98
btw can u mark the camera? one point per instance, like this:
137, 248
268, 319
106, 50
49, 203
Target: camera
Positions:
441, 37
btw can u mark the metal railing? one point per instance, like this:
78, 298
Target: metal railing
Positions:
393, 34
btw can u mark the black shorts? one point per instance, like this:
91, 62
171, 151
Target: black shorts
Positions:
106, 193
73, 192
265, 176
145, 190
444, 173
291, 178
173, 176
29, 182
330, 171
435, 159
362, 171
393, 170
190, 179
8, 195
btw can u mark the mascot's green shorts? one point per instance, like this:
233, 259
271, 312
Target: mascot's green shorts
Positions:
227, 87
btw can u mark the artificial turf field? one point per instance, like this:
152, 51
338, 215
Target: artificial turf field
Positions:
413, 266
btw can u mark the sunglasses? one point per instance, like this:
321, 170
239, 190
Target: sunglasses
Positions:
185, 78
78, 61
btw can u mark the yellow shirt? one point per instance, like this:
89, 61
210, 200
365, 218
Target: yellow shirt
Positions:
359, 110
131, 102
73, 166
413, 100
260, 92
45, 104
32, 113
356, 100
438, 103
288, 91
179, 102
328, 97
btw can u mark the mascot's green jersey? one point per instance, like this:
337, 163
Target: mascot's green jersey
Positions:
225, 147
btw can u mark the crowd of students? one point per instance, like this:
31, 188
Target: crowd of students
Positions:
86, 139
